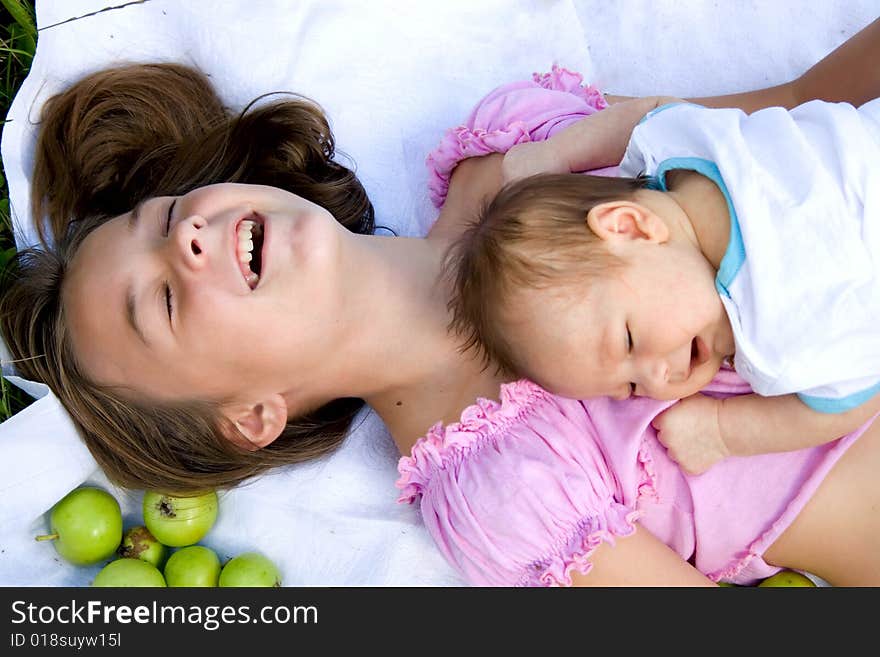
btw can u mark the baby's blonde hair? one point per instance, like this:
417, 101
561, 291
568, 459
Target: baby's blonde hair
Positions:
534, 234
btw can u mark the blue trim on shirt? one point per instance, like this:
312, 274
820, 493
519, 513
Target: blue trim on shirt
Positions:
659, 109
735, 255
841, 405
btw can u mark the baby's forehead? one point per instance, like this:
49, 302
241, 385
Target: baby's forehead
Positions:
551, 314
549, 301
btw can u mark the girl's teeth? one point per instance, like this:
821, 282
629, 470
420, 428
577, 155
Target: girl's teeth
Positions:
245, 249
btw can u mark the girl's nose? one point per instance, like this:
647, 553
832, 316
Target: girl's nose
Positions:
189, 241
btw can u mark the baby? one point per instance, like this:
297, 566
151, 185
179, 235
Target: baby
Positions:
750, 241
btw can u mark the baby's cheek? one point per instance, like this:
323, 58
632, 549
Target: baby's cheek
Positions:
577, 385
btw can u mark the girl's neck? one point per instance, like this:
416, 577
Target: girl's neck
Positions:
397, 353
399, 356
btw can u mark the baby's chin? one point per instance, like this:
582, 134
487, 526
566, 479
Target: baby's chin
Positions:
699, 379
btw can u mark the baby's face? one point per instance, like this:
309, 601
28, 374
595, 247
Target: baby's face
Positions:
655, 328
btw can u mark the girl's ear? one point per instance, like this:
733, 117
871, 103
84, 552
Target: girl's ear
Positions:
625, 220
258, 423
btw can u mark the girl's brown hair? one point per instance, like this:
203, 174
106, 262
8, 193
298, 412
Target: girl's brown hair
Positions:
111, 140
533, 234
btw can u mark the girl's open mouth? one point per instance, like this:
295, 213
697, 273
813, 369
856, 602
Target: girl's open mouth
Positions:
249, 249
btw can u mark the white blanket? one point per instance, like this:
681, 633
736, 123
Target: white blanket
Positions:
391, 76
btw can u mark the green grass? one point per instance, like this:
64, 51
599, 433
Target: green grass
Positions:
18, 37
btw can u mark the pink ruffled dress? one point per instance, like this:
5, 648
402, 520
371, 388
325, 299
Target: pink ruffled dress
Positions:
521, 491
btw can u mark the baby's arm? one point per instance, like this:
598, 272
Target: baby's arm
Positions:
752, 424
597, 141
699, 431
601, 140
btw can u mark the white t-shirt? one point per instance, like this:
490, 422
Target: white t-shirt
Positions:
800, 279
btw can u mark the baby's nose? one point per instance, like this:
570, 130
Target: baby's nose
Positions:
654, 378
658, 372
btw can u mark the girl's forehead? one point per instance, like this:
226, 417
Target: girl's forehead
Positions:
101, 249
93, 294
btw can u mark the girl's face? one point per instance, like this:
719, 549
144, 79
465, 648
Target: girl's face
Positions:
163, 302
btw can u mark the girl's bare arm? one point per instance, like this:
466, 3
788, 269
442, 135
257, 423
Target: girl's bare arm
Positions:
850, 74
640, 559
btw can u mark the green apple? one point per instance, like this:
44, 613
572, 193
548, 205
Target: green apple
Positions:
86, 526
787, 578
178, 521
139, 543
195, 565
250, 569
129, 573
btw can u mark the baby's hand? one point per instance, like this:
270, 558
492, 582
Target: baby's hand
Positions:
691, 432
530, 158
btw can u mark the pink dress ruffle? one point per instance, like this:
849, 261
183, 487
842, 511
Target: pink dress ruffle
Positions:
526, 455
512, 114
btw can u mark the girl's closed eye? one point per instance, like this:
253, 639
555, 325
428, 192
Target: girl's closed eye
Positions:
168, 218
629, 349
168, 294
168, 297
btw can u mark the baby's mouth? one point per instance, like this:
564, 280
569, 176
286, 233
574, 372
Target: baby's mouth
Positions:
699, 353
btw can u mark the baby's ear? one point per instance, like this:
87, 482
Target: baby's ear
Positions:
625, 220
258, 423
